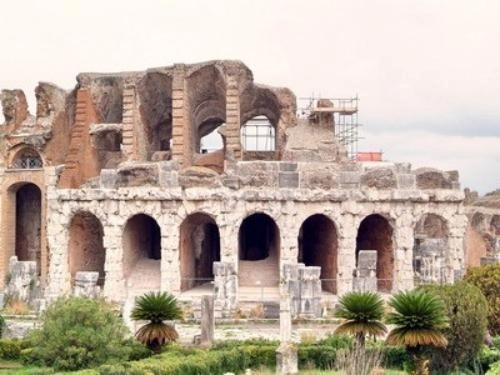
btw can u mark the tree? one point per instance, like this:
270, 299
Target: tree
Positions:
467, 312
362, 313
418, 317
157, 307
76, 333
487, 278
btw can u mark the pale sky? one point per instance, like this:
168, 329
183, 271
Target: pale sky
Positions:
427, 71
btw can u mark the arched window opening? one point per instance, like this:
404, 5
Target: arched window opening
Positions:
142, 252
429, 251
86, 249
212, 141
375, 233
258, 134
199, 248
259, 244
27, 159
28, 224
495, 225
318, 246
478, 222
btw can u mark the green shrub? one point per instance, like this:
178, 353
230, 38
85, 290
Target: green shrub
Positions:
78, 333
318, 356
10, 349
467, 313
2, 325
487, 278
494, 369
337, 341
488, 356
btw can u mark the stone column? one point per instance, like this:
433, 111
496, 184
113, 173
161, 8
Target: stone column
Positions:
179, 115
233, 144
365, 279
346, 256
225, 287
207, 320
286, 354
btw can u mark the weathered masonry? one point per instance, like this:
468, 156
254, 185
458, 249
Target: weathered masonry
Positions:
120, 177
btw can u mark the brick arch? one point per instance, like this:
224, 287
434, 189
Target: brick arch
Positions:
376, 233
259, 250
199, 247
25, 157
85, 247
318, 246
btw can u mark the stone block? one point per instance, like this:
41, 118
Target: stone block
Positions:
349, 179
288, 180
288, 167
406, 181
108, 178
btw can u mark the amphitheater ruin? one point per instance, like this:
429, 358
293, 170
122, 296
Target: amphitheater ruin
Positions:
112, 188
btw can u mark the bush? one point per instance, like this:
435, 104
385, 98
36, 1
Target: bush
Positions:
467, 313
10, 349
494, 369
78, 333
487, 278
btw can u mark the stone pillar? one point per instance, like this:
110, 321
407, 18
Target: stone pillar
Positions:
346, 253
178, 114
310, 292
225, 287
23, 282
207, 320
129, 139
303, 286
233, 143
286, 354
365, 277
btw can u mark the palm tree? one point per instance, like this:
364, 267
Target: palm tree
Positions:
418, 316
362, 313
156, 307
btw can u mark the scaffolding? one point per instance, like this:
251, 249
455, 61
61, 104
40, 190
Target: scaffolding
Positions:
345, 119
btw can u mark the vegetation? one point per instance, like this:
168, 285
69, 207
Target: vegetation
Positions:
487, 278
418, 316
362, 313
467, 312
156, 307
77, 333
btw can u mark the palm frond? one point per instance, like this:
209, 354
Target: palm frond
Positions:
418, 316
156, 307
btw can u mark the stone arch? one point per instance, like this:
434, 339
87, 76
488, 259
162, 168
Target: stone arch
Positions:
495, 225
259, 251
86, 249
478, 222
155, 93
199, 247
27, 206
142, 251
376, 233
318, 246
429, 251
26, 158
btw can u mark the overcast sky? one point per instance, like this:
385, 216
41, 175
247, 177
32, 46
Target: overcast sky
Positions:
427, 72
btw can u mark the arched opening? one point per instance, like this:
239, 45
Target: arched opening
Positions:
27, 158
86, 249
431, 243
142, 252
478, 222
258, 134
28, 224
318, 246
199, 248
495, 225
211, 139
259, 248
375, 233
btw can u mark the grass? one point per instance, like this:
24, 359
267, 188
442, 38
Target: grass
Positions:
321, 372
